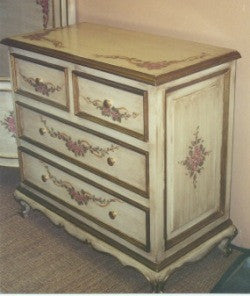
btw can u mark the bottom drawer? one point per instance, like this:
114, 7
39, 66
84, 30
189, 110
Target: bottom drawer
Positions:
98, 204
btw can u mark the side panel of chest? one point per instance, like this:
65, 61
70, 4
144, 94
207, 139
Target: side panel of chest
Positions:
196, 151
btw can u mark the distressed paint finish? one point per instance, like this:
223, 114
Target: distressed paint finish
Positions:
99, 149
127, 214
94, 42
184, 222
42, 81
189, 195
23, 17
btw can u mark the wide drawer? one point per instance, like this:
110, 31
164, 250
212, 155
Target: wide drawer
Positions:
119, 162
94, 202
41, 81
112, 104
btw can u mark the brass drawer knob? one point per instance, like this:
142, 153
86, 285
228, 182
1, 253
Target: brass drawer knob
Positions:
112, 215
39, 81
42, 131
45, 178
107, 103
110, 161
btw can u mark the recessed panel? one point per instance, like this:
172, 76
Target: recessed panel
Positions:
194, 156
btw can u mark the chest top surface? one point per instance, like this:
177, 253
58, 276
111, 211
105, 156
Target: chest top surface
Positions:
148, 58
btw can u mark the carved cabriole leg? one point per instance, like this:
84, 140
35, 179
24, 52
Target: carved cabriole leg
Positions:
156, 279
25, 208
157, 286
224, 245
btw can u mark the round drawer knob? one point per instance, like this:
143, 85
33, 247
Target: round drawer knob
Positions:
111, 161
107, 103
42, 131
112, 215
44, 178
39, 80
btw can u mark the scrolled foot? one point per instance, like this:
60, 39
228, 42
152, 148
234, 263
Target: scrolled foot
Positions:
157, 286
25, 208
225, 245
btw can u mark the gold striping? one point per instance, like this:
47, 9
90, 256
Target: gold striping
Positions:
214, 216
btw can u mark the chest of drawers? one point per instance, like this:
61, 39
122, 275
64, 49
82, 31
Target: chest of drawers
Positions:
125, 139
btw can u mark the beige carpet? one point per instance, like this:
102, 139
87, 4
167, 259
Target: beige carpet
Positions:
38, 257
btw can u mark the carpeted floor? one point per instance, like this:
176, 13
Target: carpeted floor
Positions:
38, 257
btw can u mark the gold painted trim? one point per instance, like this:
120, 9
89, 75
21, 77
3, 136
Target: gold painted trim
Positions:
110, 83
144, 193
152, 265
220, 212
194, 244
39, 98
224, 145
121, 71
145, 247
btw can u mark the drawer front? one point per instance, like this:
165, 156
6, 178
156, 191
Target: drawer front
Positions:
124, 165
41, 81
112, 104
94, 203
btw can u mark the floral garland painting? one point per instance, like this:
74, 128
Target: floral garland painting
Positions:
82, 197
151, 65
79, 147
45, 9
196, 157
9, 123
117, 114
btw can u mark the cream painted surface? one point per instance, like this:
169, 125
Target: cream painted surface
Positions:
93, 98
127, 49
8, 149
87, 174
42, 81
18, 17
222, 23
126, 260
193, 111
129, 166
126, 215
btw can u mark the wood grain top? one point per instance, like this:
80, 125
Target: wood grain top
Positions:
148, 58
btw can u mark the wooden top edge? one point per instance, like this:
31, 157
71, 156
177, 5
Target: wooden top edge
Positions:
197, 67
121, 71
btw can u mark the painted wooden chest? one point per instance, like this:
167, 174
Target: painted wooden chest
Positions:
125, 139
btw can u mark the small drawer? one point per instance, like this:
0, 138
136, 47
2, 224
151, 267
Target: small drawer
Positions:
41, 81
96, 203
112, 104
117, 161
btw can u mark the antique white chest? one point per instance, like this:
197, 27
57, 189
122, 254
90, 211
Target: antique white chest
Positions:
125, 139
